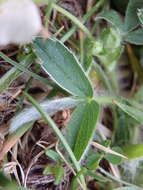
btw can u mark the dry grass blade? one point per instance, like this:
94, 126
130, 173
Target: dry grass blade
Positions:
107, 149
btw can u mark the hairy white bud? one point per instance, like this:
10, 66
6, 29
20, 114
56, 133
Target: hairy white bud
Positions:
20, 21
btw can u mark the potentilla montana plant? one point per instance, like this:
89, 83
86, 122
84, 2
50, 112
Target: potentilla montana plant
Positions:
65, 70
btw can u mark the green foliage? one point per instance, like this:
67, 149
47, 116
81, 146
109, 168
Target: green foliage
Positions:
135, 37
99, 53
114, 159
13, 74
81, 127
123, 132
140, 15
132, 111
63, 67
131, 18
133, 151
103, 48
53, 155
88, 56
56, 170
24, 69
93, 160
5, 184
112, 17
97, 177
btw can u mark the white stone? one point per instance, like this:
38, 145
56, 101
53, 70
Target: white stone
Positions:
20, 21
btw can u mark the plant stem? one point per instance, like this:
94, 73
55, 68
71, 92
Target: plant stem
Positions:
24, 69
74, 19
85, 18
116, 179
59, 134
14, 73
68, 34
81, 48
48, 12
